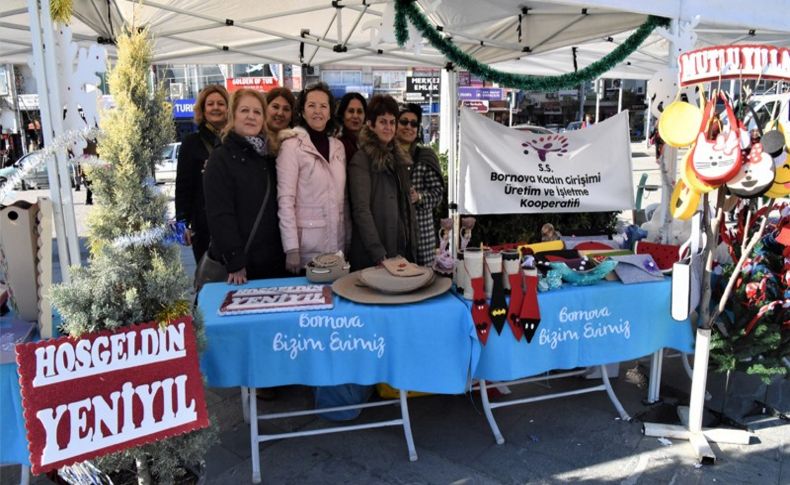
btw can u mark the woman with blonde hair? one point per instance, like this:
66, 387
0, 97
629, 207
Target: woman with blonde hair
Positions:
241, 195
211, 115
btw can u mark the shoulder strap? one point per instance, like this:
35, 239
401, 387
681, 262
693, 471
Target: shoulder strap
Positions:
206, 144
260, 213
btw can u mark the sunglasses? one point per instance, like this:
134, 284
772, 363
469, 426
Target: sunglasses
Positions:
405, 122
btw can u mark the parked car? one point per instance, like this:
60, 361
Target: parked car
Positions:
39, 178
166, 166
538, 130
574, 125
555, 128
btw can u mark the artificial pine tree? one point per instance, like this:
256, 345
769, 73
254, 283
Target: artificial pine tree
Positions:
755, 319
134, 275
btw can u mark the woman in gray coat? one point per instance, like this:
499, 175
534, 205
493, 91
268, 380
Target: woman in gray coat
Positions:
384, 223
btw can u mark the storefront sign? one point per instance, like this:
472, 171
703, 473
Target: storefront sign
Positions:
476, 106
258, 83
734, 62
420, 89
491, 94
106, 391
506, 171
183, 108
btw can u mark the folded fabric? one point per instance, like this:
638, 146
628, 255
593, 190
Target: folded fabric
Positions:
572, 242
637, 268
606, 246
587, 277
543, 259
540, 247
665, 255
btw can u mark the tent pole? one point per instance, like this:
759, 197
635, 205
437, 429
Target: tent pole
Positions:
598, 88
448, 139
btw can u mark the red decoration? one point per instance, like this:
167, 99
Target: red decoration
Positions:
109, 391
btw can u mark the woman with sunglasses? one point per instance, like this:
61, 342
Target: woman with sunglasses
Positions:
426, 178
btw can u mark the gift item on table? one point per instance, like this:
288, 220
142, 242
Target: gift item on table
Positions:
493, 263
665, 255
480, 314
529, 316
535, 248
472, 268
276, 299
756, 175
517, 289
443, 263
583, 276
461, 279
351, 288
571, 242
327, 267
498, 307
510, 264
543, 259
637, 268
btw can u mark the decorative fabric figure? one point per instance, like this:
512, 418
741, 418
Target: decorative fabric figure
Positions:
516, 299
461, 279
480, 309
444, 263
498, 308
530, 310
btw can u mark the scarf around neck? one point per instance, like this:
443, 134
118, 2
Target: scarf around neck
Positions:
258, 143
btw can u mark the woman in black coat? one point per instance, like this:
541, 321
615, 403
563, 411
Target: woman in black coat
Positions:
211, 115
237, 175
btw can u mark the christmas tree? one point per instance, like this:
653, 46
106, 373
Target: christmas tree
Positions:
754, 328
134, 274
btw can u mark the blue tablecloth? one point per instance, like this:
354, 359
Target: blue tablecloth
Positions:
13, 444
428, 346
588, 325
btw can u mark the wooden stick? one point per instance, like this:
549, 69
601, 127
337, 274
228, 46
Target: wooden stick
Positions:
712, 232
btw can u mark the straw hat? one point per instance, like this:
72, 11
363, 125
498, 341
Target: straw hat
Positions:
351, 288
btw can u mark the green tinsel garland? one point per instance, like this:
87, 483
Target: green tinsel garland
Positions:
408, 9
61, 10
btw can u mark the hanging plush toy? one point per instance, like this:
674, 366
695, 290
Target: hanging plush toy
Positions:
757, 173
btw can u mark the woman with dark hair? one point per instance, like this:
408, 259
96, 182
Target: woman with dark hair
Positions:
211, 115
311, 182
426, 179
384, 224
280, 105
239, 175
351, 116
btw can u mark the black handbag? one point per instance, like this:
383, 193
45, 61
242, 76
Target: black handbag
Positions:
209, 270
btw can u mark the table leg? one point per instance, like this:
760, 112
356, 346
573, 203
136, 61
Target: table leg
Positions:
610, 392
24, 478
404, 412
490, 415
255, 449
654, 384
245, 404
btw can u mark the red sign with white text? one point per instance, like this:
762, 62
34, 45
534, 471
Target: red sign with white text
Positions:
264, 84
743, 61
108, 391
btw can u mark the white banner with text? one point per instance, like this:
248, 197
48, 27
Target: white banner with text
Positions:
509, 171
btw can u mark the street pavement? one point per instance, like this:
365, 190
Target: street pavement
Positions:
573, 439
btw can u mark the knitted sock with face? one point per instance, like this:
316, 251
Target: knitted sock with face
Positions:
480, 315
516, 297
530, 311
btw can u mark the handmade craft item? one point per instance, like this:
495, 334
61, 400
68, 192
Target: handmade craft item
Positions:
529, 317
679, 123
350, 288
472, 268
716, 159
684, 201
510, 264
444, 263
493, 263
586, 276
498, 307
461, 278
515, 278
276, 299
781, 185
383, 280
637, 268
756, 175
665, 255
687, 273
327, 267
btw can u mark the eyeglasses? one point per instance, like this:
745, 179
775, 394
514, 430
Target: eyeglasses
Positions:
405, 122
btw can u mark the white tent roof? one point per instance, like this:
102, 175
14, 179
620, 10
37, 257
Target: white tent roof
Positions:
238, 31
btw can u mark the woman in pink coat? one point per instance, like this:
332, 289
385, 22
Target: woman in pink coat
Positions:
311, 182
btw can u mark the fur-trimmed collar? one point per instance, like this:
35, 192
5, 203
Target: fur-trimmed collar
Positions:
382, 156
